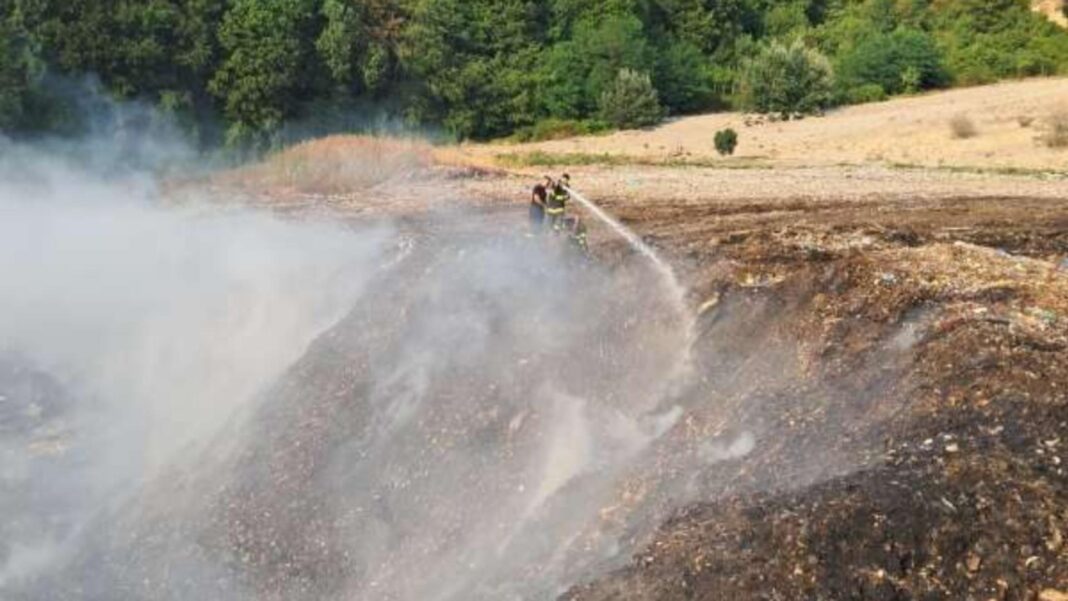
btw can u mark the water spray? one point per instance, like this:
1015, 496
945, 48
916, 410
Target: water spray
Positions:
633, 239
667, 274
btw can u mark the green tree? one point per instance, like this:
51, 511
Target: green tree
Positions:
787, 79
358, 43
631, 101
577, 71
684, 77
984, 42
17, 66
710, 25
343, 43
475, 63
787, 19
269, 67
900, 61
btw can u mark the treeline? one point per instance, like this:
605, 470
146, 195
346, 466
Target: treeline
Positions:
243, 72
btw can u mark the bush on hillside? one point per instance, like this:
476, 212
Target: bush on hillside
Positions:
788, 80
631, 101
556, 129
904, 60
869, 92
726, 141
962, 127
1055, 130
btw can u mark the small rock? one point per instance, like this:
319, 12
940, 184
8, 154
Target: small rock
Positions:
1056, 539
973, 562
952, 448
1053, 595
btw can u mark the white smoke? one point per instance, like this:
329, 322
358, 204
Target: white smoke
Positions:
161, 324
456, 430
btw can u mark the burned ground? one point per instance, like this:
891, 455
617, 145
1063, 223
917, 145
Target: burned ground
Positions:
911, 444
874, 407
879, 400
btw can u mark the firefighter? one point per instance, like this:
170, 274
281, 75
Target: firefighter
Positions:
557, 206
565, 187
538, 199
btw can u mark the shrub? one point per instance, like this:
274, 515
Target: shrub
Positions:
911, 79
631, 101
1055, 134
1025, 120
869, 92
557, 129
790, 80
962, 127
726, 141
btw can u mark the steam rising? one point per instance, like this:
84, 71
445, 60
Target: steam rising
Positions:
158, 326
199, 404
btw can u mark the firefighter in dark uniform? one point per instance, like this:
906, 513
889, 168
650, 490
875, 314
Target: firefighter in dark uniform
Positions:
538, 200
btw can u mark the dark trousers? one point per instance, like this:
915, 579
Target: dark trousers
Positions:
537, 215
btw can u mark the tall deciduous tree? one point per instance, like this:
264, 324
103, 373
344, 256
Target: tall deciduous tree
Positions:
269, 64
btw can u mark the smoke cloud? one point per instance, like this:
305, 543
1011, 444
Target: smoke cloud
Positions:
208, 403
131, 333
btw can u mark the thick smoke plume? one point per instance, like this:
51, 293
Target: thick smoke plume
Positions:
131, 333
221, 404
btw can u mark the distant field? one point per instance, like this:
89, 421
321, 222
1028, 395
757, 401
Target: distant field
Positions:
1003, 125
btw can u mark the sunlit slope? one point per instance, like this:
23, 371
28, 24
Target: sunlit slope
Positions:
1054, 9
1008, 119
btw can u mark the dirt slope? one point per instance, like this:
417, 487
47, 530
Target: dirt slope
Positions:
916, 130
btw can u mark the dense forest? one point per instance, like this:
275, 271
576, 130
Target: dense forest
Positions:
256, 72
